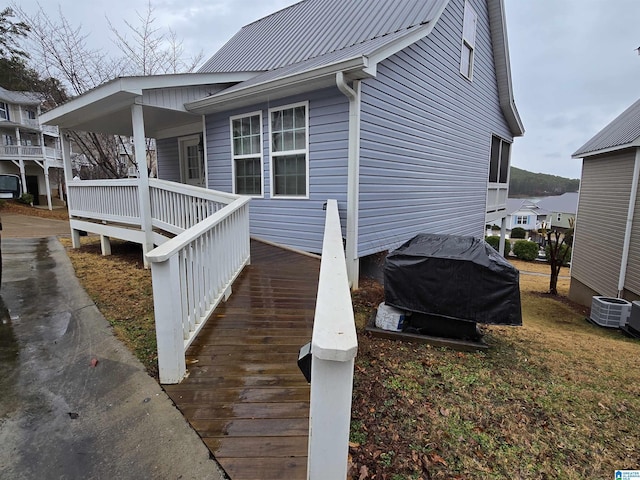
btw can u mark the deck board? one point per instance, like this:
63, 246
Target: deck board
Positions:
244, 394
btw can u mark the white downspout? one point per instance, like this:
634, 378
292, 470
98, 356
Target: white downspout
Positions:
627, 233
353, 177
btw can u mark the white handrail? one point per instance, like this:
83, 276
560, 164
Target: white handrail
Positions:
334, 346
191, 274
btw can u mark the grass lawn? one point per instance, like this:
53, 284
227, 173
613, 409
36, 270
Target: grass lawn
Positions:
555, 398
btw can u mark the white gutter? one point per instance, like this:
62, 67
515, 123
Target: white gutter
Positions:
209, 104
353, 176
629, 226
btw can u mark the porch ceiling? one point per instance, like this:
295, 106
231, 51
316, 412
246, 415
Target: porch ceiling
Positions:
112, 115
107, 108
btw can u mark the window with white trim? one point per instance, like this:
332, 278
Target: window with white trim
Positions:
468, 40
246, 143
289, 134
499, 164
522, 220
31, 114
4, 111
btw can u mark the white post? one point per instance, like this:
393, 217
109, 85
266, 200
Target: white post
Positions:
503, 233
140, 154
68, 173
105, 245
333, 348
46, 171
23, 175
169, 334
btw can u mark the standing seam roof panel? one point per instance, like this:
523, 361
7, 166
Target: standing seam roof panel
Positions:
623, 130
316, 27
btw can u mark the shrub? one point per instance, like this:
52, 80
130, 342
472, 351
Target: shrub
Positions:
526, 250
26, 198
495, 227
494, 241
563, 248
518, 232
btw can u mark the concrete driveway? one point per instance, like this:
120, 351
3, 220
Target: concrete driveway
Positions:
62, 415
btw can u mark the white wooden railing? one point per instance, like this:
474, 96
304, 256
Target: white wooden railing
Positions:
334, 346
30, 152
176, 207
497, 196
108, 200
191, 274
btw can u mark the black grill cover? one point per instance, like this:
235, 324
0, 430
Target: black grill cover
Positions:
453, 276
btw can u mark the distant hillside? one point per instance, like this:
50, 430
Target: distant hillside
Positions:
529, 184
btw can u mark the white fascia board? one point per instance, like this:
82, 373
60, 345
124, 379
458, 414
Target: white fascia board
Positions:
218, 101
135, 85
634, 144
414, 35
500, 43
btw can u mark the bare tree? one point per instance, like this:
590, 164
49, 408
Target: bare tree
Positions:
559, 254
148, 50
61, 51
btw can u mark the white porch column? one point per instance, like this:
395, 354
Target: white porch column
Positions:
45, 167
140, 154
23, 175
68, 175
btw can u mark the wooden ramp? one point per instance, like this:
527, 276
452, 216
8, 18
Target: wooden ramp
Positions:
244, 394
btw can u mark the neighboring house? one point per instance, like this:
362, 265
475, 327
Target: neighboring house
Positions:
403, 111
27, 148
562, 210
606, 248
524, 214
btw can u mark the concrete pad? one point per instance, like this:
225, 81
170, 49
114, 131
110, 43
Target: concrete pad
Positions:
61, 416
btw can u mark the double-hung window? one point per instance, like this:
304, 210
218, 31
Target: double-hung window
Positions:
468, 40
289, 134
246, 141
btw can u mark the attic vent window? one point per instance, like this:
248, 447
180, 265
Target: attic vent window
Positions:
468, 40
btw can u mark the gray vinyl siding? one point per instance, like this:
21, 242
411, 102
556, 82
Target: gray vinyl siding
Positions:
632, 282
298, 223
605, 189
175, 97
168, 159
426, 136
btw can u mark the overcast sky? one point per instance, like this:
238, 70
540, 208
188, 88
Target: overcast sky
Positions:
573, 62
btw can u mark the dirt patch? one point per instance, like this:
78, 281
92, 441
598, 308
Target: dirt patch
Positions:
22, 209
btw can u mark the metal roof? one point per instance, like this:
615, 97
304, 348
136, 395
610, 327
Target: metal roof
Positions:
565, 203
19, 98
314, 28
622, 132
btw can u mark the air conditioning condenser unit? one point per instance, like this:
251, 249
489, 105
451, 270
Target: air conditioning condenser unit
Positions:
609, 312
633, 324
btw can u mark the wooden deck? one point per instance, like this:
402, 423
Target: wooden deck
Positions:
244, 394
